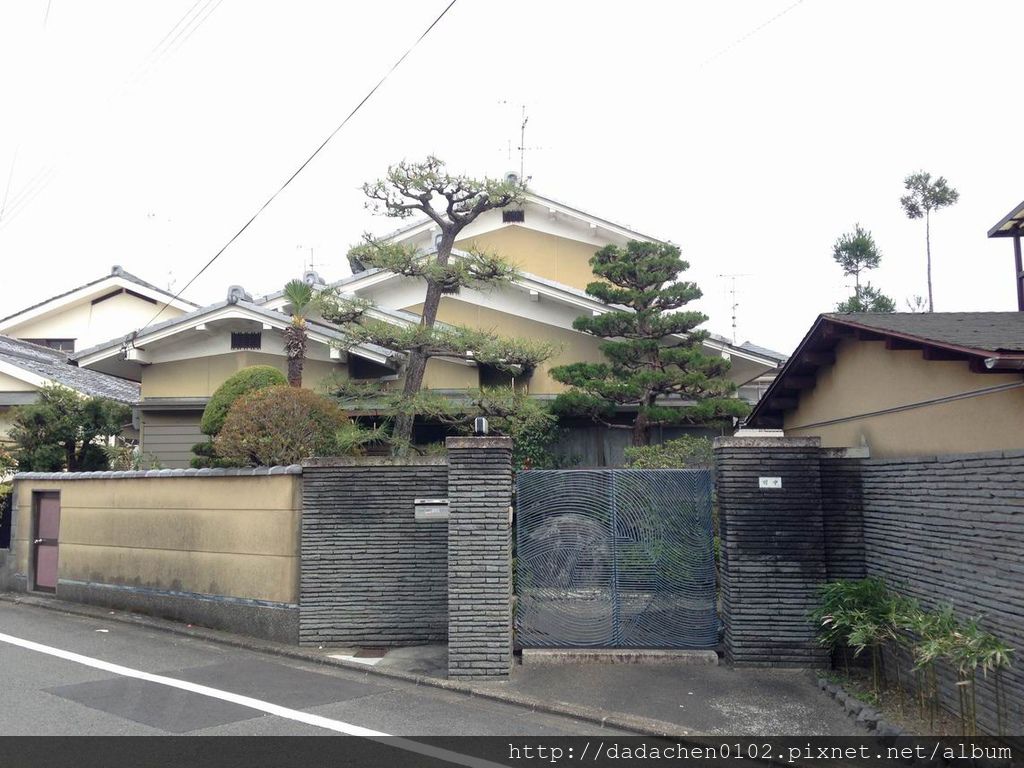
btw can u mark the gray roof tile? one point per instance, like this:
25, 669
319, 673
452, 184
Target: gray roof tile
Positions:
983, 331
55, 365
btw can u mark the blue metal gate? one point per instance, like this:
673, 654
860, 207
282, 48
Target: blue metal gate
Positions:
615, 558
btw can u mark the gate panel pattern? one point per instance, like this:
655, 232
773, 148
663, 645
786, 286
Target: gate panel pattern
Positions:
615, 558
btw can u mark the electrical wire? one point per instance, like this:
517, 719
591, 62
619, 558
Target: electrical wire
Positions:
299, 170
740, 40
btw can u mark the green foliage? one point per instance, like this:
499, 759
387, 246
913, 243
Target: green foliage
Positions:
477, 269
204, 456
280, 425
63, 431
411, 188
126, 456
866, 614
531, 425
246, 380
408, 188
511, 355
925, 195
688, 451
7, 462
653, 346
856, 252
867, 299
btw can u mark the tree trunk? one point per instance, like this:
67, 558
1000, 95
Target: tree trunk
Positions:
928, 249
642, 425
295, 371
417, 364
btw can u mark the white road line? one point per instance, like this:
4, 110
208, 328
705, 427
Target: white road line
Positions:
203, 690
246, 701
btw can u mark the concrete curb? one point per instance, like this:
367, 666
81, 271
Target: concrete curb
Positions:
617, 720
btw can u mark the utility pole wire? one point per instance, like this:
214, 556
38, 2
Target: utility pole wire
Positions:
300, 169
751, 33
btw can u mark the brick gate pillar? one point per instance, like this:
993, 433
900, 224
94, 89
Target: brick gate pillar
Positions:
479, 556
773, 557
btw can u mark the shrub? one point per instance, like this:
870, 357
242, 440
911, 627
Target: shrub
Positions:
687, 451
245, 381
64, 431
280, 425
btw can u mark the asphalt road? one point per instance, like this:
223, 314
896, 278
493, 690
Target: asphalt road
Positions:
69, 675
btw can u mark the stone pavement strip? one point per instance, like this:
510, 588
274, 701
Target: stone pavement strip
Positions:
659, 700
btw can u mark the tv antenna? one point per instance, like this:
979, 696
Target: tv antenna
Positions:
312, 264
732, 293
522, 149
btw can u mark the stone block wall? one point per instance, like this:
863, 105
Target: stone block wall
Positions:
371, 574
842, 508
479, 556
950, 530
773, 557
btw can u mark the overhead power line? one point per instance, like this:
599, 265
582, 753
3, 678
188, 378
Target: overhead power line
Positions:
740, 40
301, 168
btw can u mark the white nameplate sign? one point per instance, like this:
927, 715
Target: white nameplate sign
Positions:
769, 482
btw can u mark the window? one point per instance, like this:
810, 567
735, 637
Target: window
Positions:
246, 340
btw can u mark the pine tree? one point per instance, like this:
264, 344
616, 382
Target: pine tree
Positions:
927, 196
655, 359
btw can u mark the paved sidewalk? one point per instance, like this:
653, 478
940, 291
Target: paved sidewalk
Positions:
696, 698
663, 700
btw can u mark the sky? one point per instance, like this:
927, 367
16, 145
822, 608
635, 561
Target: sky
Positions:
752, 133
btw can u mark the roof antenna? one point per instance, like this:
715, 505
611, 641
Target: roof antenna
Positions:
522, 148
735, 304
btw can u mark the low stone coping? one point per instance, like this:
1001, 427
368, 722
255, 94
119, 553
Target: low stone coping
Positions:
647, 656
293, 469
479, 442
767, 442
375, 461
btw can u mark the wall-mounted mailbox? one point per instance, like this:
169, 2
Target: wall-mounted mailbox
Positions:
428, 510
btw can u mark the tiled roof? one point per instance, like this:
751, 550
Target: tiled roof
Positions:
54, 365
114, 272
985, 331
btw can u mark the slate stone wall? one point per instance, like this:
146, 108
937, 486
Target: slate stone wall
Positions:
842, 508
479, 557
371, 575
950, 530
773, 557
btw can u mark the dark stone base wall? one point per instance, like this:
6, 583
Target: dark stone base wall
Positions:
480, 557
842, 508
950, 530
946, 530
372, 575
773, 557
269, 621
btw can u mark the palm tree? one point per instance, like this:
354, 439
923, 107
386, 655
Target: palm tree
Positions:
300, 297
927, 196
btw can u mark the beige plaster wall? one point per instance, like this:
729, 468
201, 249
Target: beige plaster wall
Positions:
866, 378
573, 347
91, 324
556, 258
229, 536
200, 376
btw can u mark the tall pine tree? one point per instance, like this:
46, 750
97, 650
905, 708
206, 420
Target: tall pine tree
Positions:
656, 363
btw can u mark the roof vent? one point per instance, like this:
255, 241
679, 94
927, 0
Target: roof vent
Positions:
237, 293
513, 216
312, 278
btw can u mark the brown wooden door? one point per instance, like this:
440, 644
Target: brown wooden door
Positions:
47, 535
